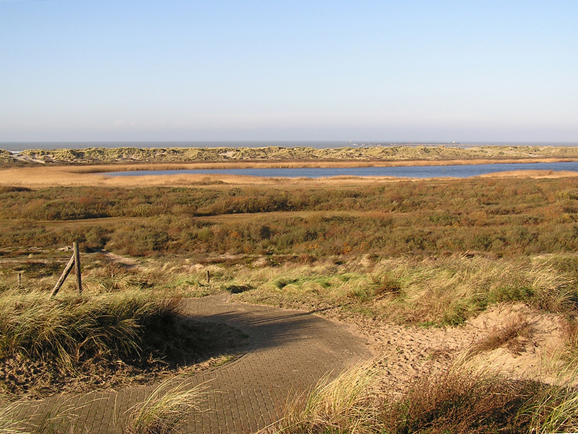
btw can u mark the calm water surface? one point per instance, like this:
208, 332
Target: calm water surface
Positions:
401, 172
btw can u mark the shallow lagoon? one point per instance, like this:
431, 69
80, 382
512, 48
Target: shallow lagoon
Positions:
454, 171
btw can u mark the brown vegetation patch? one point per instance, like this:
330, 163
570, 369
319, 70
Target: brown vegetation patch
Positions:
463, 402
512, 335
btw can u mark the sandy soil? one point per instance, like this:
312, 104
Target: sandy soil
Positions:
406, 353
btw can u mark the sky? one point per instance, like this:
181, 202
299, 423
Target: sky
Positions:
250, 70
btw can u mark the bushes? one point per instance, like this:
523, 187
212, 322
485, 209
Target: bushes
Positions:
431, 218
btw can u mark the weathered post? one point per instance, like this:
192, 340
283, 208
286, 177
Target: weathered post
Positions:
20, 280
63, 277
208, 276
77, 267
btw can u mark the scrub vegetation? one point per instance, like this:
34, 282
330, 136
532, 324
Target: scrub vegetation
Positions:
503, 217
127, 326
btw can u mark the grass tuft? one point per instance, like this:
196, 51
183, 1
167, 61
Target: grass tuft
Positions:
341, 405
45, 342
509, 335
161, 412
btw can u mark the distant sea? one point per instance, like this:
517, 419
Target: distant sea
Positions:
21, 146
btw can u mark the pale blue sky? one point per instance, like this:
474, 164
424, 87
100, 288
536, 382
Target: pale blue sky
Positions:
99, 70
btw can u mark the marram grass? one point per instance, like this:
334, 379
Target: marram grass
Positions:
69, 329
162, 411
461, 401
446, 291
340, 405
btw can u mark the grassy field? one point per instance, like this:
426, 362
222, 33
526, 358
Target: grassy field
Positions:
421, 259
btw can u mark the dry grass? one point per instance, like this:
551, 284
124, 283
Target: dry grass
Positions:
47, 345
460, 401
52, 176
442, 292
7, 422
570, 337
161, 412
340, 405
510, 335
66, 329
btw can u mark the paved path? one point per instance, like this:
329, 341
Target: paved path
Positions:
290, 351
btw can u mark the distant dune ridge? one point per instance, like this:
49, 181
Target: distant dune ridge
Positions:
276, 153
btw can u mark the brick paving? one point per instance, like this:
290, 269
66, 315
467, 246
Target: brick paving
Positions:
289, 352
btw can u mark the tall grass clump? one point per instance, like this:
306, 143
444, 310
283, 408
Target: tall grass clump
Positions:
71, 328
332, 406
438, 291
49, 340
556, 410
451, 290
161, 412
462, 401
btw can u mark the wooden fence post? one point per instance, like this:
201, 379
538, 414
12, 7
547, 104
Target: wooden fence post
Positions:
77, 267
74, 260
62, 277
